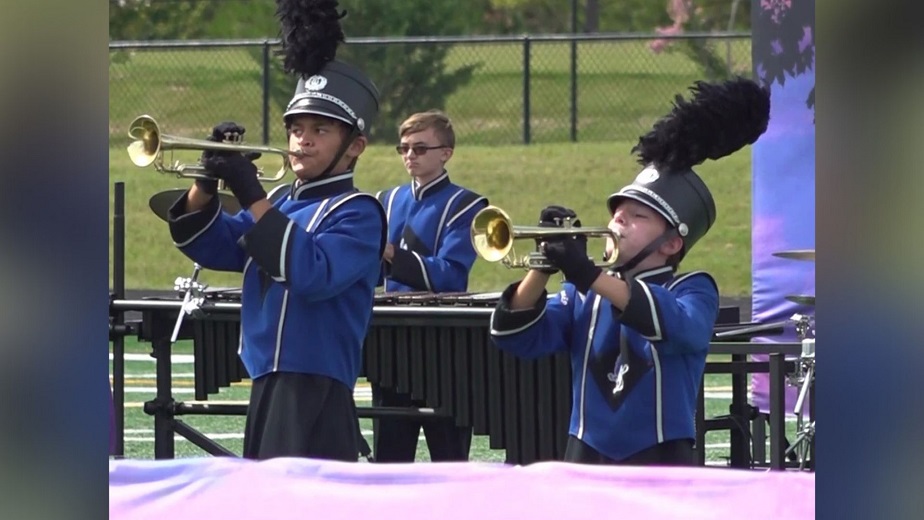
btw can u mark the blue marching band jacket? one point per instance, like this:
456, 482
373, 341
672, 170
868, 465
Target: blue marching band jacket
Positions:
310, 267
635, 373
430, 227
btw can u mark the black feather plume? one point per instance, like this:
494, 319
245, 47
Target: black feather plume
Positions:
310, 32
719, 120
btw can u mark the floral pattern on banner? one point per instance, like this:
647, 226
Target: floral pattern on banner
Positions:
786, 44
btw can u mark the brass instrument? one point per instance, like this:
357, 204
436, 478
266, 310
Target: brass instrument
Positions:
493, 236
150, 144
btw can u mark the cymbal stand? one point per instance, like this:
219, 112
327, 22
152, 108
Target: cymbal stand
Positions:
803, 328
193, 298
806, 432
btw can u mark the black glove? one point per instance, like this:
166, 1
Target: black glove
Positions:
570, 255
554, 216
228, 166
239, 174
226, 131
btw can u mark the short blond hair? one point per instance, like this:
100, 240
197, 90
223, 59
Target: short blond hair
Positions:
435, 119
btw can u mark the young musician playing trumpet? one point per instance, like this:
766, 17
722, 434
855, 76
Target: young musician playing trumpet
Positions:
639, 334
310, 260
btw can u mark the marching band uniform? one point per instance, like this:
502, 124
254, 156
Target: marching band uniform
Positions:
310, 264
635, 373
431, 224
430, 227
636, 369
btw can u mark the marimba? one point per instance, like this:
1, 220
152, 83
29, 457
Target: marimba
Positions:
437, 348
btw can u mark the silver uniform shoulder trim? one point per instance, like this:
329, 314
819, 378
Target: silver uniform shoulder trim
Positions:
687, 276
317, 213
466, 208
277, 189
341, 202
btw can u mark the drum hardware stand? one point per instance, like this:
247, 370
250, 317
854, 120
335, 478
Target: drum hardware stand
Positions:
805, 377
193, 298
803, 328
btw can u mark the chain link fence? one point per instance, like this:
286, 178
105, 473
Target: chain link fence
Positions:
497, 90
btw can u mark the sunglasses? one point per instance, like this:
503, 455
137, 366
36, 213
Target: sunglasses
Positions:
419, 149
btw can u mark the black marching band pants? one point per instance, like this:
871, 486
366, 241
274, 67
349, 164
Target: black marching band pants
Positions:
395, 438
301, 415
670, 453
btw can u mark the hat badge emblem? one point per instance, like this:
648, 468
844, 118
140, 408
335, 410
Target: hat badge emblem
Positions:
647, 176
316, 82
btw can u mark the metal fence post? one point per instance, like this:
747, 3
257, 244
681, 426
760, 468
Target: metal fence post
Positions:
574, 96
574, 43
526, 75
266, 91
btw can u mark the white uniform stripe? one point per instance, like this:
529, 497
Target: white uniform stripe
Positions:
317, 213
391, 200
240, 336
655, 317
282, 320
341, 202
203, 230
464, 210
423, 271
439, 228
285, 249
659, 409
495, 332
590, 339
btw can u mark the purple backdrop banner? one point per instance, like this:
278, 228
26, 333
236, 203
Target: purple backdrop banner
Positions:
284, 489
783, 183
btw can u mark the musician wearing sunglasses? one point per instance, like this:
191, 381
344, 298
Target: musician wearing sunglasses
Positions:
429, 249
310, 258
638, 335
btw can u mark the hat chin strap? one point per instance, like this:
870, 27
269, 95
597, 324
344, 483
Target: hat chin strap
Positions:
646, 251
354, 133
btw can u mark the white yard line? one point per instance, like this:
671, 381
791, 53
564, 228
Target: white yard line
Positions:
176, 359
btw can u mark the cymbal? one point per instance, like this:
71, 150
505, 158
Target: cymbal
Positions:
799, 254
160, 203
802, 299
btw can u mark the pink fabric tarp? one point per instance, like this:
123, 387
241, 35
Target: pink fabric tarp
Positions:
284, 489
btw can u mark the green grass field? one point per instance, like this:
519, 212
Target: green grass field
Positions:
520, 179
228, 431
622, 88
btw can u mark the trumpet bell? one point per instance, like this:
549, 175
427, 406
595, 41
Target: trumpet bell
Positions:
146, 145
492, 235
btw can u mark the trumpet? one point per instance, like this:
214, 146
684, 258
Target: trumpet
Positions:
493, 235
150, 143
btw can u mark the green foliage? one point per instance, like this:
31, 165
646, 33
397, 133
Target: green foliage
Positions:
175, 20
410, 77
